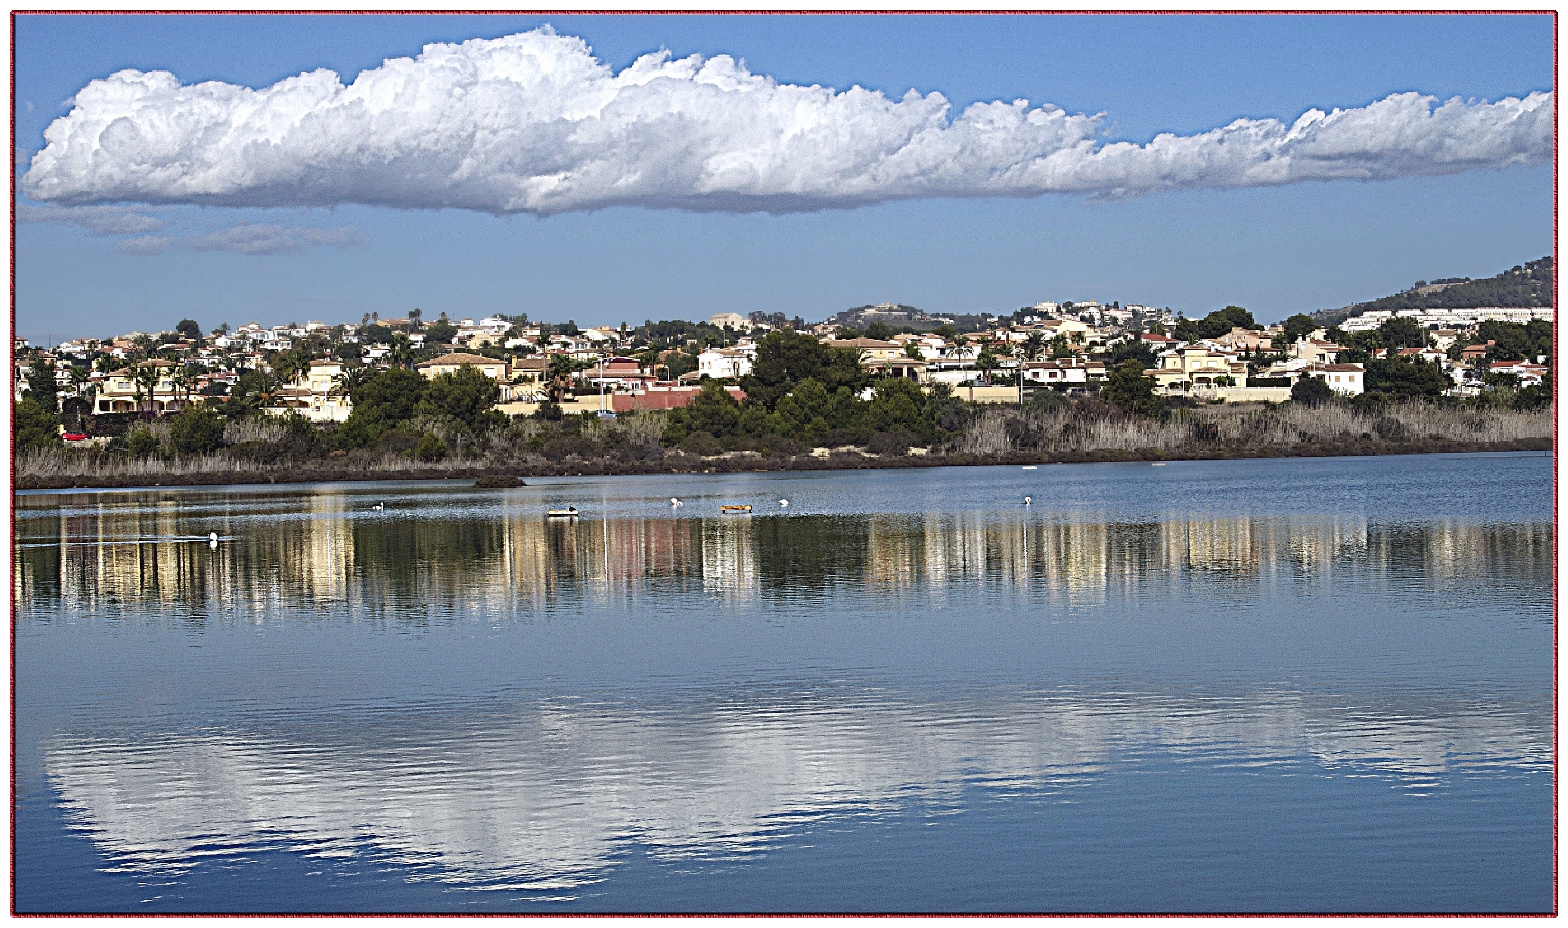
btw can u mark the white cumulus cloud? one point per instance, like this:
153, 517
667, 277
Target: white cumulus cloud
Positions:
533, 123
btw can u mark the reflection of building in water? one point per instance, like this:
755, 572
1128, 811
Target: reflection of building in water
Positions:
729, 558
546, 794
315, 548
895, 551
326, 556
1219, 544
954, 546
1314, 548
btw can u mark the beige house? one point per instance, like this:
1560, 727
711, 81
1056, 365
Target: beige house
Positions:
905, 367
314, 394
527, 374
1318, 352
734, 320
1248, 339
449, 364
499, 371
119, 392
1197, 367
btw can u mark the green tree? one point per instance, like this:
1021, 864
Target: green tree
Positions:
880, 331
1311, 391
430, 447
899, 405
1298, 327
466, 395
1405, 378
440, 332
785, 359
385, 401
563, 367
189, 329
713, 410
196, 429
145, 377
1401, 332
142, 443
985, 363
1216, 324
34, 427
1128, 390
1515, 342
402, 350
41, 384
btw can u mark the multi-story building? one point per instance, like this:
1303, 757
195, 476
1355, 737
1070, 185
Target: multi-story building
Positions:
726, 362
315, 394
1195, 367
120, 391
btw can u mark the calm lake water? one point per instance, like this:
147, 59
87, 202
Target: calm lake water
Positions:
1285, 685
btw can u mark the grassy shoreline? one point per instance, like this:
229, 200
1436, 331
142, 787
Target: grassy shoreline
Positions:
738, 462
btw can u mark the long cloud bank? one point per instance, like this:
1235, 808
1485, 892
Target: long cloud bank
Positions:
533, 123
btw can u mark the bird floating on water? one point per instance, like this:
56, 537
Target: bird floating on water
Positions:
1028, 501
212, 540
379, 506
674, 502
784, 503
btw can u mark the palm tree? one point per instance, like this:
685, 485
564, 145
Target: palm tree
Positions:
185, 380
413, 317
562, 367
353, 377
402, 353
78, 377
986, 362
146, 376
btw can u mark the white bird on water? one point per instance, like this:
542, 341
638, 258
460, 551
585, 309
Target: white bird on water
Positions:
379, 506
784, 503
1028, 501
212, 540
674, 502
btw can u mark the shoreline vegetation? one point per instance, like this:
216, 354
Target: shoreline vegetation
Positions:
1079, 431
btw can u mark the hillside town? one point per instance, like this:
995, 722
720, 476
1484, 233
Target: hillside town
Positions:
311, 370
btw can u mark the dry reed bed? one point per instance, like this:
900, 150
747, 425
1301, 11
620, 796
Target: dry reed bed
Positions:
1004, 430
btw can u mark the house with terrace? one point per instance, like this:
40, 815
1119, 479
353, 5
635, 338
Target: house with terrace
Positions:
1196, 368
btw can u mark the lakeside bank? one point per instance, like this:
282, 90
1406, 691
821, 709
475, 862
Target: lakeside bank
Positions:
731, 462
1083, 432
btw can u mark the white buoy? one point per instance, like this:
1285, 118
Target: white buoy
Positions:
1028, 501
784, 503
212, 537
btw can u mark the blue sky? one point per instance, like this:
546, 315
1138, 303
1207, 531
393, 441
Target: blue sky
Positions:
93, 259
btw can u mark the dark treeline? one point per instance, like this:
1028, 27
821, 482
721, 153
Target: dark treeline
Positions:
1524, 285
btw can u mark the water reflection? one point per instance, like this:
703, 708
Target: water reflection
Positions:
438, 562
541, 793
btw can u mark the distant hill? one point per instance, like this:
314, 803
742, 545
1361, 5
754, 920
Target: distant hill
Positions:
1522, 286
900, 316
